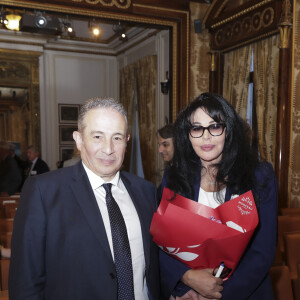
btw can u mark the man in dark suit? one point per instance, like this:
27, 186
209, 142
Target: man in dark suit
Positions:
63, 245
37, 165
10, 174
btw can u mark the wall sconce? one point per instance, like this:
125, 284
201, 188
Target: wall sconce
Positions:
165, 85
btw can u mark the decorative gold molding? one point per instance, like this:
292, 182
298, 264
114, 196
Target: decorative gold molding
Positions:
161, 8
243, 12
213, 58
286, 15
285, 25
285, 34
262, 36
248, 25
124, 3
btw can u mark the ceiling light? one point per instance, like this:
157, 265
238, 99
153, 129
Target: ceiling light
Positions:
119, 29
13, 21
94, 27
41, 22
68, 28
96, 31
3, 20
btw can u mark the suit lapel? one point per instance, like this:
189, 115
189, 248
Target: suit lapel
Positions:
85, 197
141, 211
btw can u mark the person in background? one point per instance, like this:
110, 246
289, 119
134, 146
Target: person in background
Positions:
213, 162
10, 174
165, 143
82, 232
37, 165
23, 164
74, 160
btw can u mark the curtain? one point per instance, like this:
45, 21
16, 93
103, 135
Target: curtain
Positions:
236, 78
266, 64
145, 72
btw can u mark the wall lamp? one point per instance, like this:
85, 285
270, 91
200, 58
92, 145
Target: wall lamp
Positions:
165, 85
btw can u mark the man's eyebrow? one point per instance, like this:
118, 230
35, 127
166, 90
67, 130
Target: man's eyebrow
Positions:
101, 132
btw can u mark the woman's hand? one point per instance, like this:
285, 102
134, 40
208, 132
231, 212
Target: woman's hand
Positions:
190, 295
203, 282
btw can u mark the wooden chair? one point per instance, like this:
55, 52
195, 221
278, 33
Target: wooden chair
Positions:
287, 224
281, 283
9, 209
287, 211
5, 239
296, 284
292, 251
7, 202
4, 270
6, 225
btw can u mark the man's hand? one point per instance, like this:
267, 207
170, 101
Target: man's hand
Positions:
203, 282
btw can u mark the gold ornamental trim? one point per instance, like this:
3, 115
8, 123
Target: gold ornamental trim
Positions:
213, 58
285, 34
124, 3
262, 36
243, 12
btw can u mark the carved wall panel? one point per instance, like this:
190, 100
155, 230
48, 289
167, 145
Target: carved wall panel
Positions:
20, 117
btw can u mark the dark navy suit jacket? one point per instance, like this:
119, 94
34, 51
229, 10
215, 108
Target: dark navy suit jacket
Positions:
250, 279
40, 167
60, 249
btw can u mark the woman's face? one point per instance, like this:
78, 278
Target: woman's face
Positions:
209, 148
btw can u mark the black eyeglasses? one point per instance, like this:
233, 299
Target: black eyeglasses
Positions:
197, 131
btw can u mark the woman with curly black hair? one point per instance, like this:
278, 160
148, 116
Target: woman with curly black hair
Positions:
214, 162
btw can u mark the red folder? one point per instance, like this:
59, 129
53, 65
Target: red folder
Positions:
200, 236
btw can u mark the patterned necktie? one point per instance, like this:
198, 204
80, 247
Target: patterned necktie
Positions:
121, 247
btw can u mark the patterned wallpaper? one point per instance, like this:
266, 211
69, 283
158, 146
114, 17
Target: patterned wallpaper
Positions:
199, 58
295, 142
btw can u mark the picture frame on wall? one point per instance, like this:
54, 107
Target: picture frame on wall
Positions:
65, 152
68, 113
66, 134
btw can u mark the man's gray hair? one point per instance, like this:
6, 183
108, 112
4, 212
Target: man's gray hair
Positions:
95, 103
33, 148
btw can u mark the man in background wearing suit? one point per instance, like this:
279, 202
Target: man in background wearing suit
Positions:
63, 244
37, 165
10, 174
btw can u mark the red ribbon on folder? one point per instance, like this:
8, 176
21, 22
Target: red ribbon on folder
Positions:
200, 236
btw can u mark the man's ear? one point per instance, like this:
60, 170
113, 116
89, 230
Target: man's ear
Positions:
128, 138
78, 139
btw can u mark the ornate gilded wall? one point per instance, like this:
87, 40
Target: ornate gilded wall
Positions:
199, 58
295, 142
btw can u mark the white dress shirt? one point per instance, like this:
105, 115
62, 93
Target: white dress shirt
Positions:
31, 172
132, 222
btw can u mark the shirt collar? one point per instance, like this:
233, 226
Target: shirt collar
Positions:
96, 181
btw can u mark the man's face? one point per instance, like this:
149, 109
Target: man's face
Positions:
31, 154
103, 141
165, 148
